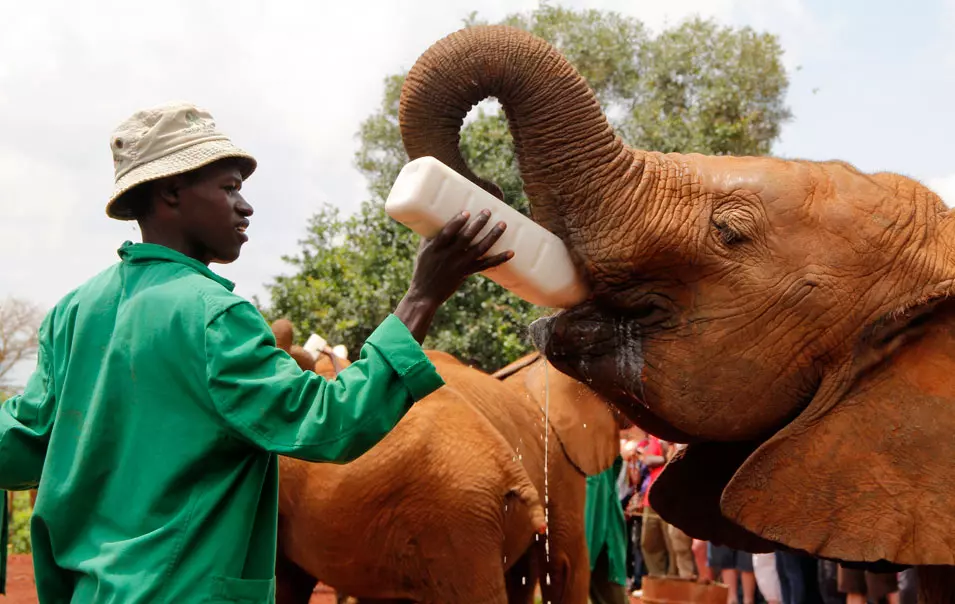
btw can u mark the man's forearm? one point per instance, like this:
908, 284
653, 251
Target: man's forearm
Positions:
417, 313
653, 461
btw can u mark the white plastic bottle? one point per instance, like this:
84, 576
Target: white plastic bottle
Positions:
427, 194
315, 345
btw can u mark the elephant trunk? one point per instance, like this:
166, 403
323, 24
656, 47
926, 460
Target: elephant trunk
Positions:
566, 148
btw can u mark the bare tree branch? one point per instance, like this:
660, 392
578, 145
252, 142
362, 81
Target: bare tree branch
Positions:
19, 321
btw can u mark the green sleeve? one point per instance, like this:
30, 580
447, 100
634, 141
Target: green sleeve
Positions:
266, 399
26, 421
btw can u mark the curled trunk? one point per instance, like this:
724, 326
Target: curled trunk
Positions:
564, 142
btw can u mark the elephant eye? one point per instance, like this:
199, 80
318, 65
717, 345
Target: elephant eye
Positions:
737, 219
728, 235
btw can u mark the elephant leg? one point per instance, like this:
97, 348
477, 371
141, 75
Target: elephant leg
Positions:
566, 578
292, 584
558, 581
681, 545
486, 585
521, 579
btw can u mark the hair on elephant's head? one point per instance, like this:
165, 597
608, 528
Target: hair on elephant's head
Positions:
788, 319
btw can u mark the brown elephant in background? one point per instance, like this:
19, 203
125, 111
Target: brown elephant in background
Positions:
444, 509
790, 320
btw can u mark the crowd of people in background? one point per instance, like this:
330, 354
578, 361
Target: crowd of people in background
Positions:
661, 549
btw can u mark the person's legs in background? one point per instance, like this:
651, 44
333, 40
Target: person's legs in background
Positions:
730, 578
827, 573
681, 546
797, 578
602, 589
908, 587
723, 562
767, 579
637, 567
699, 554
810, 578
631, 550
881, 586
861, 587
744, 565
653, 543
784, 587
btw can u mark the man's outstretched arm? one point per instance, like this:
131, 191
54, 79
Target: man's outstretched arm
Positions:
25, 424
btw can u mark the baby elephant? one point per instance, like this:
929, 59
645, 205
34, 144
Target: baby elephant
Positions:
447, 508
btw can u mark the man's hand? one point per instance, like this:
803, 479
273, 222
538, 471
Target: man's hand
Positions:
442, 266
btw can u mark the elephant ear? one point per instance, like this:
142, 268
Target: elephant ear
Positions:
865, 472
583, 422
687, 495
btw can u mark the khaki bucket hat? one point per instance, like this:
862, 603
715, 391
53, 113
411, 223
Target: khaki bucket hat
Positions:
162, 141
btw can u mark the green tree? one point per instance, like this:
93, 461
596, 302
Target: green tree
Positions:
20, 523
19, 321
697, 87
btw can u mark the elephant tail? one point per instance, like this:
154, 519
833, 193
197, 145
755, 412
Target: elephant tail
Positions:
526, 493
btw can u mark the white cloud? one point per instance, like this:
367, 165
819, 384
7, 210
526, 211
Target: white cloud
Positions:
949, 40
658, 15
290, 81
801, 33
944, 187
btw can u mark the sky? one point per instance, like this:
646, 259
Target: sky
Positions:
872, 83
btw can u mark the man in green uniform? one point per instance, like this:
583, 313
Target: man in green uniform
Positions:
160, 401
606, 530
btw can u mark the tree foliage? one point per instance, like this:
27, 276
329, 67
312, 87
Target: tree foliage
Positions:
19, 321
20, 523
697, 87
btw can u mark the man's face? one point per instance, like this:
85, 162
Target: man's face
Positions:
213, 213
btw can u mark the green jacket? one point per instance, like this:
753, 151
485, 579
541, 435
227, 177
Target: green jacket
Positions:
605, 524
152, 425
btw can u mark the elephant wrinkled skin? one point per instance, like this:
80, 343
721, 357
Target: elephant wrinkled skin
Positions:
444, 509
790, 320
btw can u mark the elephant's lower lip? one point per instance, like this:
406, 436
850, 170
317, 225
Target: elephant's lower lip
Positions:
555, 343
646, 419
540, 332
610, 361
622, 396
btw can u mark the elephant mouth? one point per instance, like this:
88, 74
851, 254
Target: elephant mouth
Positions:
606, 353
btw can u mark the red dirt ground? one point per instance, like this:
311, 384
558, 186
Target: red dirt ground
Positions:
22, 590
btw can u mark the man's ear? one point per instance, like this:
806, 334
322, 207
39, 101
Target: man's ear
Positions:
167, 190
